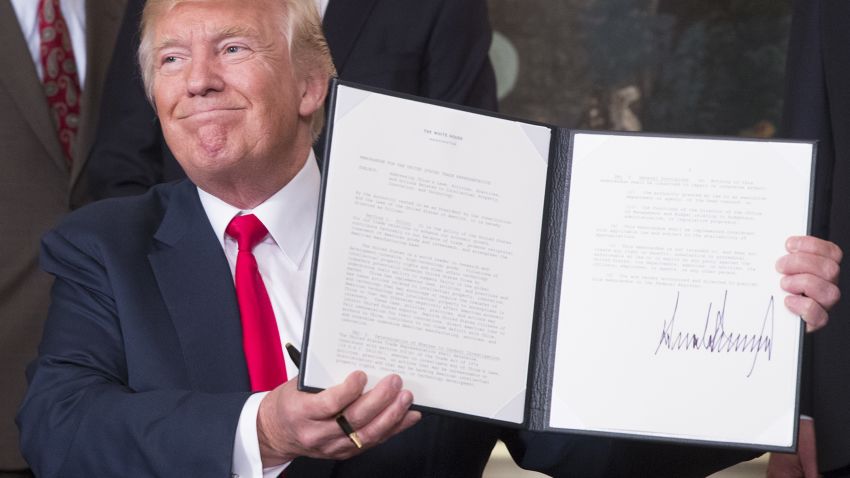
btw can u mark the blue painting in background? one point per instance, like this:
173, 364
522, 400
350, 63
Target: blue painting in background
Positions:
698, 66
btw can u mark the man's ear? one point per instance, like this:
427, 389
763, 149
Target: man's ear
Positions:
314, 88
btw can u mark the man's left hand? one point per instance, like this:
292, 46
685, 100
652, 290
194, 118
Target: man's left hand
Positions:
810, 273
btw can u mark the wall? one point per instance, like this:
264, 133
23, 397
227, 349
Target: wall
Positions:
698, 66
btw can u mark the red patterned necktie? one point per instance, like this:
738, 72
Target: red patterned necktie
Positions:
61, 83
260, 337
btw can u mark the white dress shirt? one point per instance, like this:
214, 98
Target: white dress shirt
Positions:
284, 259
74, 12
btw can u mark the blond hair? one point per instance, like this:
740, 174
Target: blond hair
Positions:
301, 27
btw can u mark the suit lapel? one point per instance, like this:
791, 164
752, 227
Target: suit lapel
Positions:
343, 21
20, 78
103, 19
196, 285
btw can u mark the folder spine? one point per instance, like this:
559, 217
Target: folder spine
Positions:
545, 332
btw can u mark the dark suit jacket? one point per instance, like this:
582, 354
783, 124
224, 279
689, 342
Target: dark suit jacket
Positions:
36, 188
436, 48
817, 106
141, 370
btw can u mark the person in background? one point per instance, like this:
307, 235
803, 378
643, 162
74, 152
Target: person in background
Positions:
436, 49
56, 55
817, 107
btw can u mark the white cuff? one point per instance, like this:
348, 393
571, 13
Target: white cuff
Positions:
247, 462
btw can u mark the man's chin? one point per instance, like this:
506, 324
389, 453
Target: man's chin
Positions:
206, 159
211, 140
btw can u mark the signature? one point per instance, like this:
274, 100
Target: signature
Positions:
715, 337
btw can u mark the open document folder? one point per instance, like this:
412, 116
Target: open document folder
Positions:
578, 281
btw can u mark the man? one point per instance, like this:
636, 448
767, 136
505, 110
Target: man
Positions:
240, 119
436, 49
142, 371
817, 106
41, 165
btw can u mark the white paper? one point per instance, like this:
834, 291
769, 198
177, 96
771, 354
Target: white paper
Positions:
428, 253
669, 267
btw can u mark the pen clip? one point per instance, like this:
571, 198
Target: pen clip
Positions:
348, 430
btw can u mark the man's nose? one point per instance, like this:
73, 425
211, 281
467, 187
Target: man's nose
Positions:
204, 76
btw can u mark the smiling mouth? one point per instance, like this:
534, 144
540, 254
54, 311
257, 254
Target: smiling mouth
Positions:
206, 112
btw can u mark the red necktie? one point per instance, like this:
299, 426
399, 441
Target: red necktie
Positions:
61, 83
260, 337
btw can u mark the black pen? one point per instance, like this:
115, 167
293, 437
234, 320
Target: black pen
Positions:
348, 430
346, 427
294, 354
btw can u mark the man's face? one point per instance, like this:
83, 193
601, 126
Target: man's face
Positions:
229, 102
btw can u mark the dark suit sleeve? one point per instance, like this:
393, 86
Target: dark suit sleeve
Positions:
129, 155
81, 418
457, 65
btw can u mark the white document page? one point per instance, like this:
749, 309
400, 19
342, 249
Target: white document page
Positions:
671, 318
428, 253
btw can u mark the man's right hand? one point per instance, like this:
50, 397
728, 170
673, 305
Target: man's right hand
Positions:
291, 423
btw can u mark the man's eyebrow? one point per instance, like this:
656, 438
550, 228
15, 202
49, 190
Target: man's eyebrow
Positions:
238, 31
168, 42
229, 32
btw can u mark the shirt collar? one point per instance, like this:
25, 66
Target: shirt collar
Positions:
289, 214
